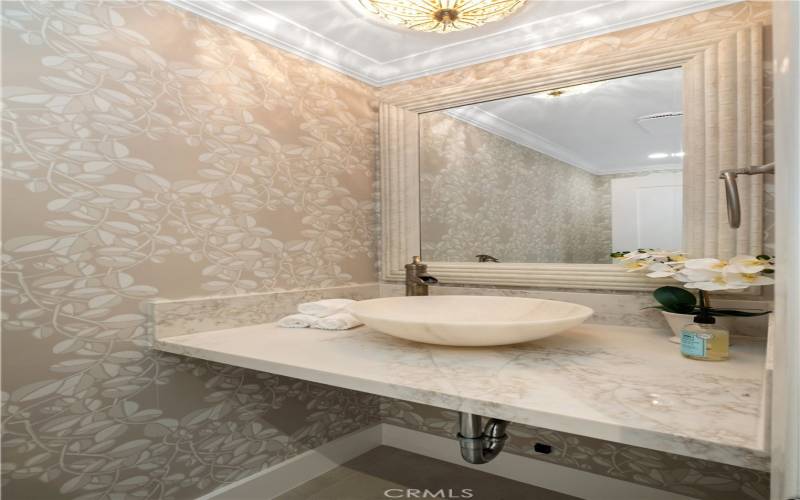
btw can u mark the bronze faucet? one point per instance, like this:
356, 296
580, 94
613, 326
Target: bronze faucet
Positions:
417, 278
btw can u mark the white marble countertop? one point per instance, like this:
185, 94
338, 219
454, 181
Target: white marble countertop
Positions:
621, 384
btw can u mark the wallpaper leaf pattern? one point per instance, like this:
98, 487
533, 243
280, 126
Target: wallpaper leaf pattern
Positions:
148, 153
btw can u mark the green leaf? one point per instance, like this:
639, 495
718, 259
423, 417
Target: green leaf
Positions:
734, 312
676, 300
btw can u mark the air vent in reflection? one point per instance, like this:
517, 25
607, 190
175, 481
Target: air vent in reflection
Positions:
666, 124
656, 116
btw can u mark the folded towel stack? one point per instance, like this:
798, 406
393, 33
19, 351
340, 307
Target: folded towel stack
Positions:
328, 314
338, 321
323, 308
298, 321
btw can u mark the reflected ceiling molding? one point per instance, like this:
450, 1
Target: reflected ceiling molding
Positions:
496, 125
304, 41
499, 126
640, 169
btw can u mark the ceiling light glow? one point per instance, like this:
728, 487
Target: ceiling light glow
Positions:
441, 16
660, 156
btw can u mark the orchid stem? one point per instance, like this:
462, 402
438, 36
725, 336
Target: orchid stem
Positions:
705, 302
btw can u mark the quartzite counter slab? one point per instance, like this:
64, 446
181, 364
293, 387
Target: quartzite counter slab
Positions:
621, 384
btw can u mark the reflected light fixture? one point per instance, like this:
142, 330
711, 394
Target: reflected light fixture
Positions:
568, 91
441, 16
659, 156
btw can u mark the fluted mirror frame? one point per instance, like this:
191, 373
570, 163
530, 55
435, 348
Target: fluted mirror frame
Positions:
723, 128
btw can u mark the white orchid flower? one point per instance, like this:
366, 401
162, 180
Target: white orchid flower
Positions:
636, 265
746, 264
707, 275
719, 282
668, 255
748, 279
655, 255
661, 270
689, 275
706, 264
635, 256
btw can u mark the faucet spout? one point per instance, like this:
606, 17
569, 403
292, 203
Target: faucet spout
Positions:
417, 278
426, 279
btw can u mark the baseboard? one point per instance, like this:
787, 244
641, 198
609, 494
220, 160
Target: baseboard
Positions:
287, 475
271, 482
526, 470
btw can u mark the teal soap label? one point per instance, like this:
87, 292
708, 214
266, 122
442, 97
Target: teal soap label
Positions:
692, 344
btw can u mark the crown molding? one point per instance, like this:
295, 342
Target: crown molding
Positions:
304, 42
287, 35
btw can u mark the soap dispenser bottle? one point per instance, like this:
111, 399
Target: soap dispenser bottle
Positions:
703, 340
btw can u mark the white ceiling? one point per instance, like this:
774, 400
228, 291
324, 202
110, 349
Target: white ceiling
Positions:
340, 35
600, 131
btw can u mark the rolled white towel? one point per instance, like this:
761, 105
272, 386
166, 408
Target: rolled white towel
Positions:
297, 321
322, 308
338, 321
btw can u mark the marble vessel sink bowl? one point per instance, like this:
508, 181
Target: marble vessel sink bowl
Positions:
469, 320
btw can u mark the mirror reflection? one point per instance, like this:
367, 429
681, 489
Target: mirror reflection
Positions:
567, 175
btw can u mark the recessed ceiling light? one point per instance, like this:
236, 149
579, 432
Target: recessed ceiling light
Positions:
658, 156
680, 154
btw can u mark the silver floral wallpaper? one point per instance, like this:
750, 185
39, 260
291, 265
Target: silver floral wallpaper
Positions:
149, 153
483, 194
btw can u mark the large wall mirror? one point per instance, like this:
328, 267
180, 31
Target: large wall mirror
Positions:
552, 169
566, 175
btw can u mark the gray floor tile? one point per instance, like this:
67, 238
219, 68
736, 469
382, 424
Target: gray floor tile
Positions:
386, 472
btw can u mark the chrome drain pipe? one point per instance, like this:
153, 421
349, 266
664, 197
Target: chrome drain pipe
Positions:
480, 445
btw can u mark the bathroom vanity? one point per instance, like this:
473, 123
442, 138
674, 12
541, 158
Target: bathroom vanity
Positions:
550, 169
616, 383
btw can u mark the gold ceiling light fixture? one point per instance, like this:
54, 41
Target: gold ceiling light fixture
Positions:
568, 91
441, 16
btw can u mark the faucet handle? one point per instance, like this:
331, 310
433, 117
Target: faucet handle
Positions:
416, 264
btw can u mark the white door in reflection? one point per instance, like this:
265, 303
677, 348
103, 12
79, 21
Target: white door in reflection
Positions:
647, 211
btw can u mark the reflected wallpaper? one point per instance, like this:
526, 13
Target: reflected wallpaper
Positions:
483, 194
